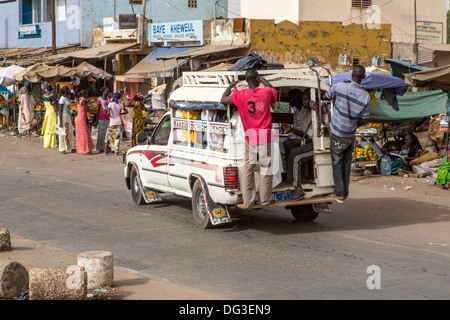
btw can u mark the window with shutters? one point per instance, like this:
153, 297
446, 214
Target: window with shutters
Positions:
192, 3
361, 3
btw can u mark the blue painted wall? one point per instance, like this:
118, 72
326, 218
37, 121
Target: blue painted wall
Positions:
67, 32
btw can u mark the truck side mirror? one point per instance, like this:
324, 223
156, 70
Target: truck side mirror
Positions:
141, 139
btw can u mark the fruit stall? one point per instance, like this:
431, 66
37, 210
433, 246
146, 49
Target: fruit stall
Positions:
364, 155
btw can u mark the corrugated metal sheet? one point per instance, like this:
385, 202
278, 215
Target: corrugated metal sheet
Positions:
203, 51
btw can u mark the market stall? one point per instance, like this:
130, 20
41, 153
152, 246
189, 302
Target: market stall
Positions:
439, 79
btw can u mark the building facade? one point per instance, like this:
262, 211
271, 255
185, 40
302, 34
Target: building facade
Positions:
27, 23
430, 17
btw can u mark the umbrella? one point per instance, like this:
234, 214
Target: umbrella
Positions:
93, 71
51, 74
7, 75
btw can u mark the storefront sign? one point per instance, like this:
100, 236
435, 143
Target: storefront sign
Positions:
110, 25
183, 31
128, 21
29, 31
429, 32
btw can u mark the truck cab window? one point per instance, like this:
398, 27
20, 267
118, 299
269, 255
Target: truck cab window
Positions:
161, 136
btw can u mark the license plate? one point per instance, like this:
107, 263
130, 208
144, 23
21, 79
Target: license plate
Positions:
280, 196
322, 207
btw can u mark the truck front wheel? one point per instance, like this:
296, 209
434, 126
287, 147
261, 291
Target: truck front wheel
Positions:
199, 208
304, 213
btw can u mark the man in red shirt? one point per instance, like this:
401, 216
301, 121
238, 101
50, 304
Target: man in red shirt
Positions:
254, 109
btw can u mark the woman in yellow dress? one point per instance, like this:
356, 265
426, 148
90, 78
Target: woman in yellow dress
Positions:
50, 120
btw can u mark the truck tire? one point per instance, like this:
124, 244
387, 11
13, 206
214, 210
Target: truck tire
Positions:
199, 209
304, 213
136, 193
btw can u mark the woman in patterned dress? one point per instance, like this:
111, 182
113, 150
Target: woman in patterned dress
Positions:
138, 121
83, 136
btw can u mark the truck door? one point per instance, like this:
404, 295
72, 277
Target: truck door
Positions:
155, 158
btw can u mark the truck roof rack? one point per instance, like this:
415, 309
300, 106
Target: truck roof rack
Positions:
224, 78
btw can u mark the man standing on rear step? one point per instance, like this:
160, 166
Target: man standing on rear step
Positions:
351, 109
254, 109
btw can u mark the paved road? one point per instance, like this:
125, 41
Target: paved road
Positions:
80, 203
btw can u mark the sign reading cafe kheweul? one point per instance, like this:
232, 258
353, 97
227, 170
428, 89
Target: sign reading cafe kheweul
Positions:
180, 31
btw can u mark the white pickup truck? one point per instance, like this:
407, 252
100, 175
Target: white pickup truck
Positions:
194, 152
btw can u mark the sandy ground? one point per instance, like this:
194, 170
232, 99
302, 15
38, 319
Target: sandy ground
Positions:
128, 285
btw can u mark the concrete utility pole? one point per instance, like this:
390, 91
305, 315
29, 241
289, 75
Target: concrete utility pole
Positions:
416, 45
53, 27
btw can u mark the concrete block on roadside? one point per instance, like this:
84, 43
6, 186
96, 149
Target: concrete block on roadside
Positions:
14, 279
99, 266
58, 283
5, 240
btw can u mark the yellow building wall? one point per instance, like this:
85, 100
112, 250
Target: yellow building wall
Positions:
288, 42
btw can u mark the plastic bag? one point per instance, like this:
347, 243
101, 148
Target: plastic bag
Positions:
252, 61
385, 165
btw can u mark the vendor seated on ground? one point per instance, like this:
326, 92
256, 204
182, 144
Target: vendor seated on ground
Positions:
304, 153
410, 150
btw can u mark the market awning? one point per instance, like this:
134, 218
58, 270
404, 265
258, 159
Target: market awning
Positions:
400, 68
241, 50
203, 94
413, 106
93, 71
437, 78
101, 52
129, 78
151, 65
392, 86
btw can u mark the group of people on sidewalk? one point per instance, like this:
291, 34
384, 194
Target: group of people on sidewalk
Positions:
352, 109
59, 129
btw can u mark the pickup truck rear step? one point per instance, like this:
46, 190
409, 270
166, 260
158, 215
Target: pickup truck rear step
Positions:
291, 203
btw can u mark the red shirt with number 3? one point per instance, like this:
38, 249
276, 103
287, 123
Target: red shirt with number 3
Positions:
256, 115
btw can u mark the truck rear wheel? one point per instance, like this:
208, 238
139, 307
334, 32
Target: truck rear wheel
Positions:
136, 193
304, 213
199, 208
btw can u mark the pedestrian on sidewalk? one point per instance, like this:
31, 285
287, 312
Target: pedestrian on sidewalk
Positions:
102, 118
351, 110
138, 120
50, 119
115, 128
83, 136
66, 137
26, 112
254, 107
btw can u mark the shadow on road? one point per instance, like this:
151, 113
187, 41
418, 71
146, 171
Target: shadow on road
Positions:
360, 214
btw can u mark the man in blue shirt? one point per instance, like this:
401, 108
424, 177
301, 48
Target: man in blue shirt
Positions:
351, 109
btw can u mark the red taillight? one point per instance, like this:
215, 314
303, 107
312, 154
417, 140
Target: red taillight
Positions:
231, 176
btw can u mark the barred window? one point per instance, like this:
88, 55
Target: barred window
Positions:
361, 3
192, 3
